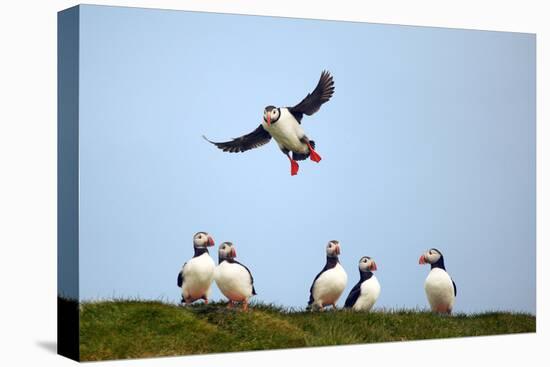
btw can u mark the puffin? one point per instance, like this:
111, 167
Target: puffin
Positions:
439, 286
330, 283
197, 274
233, 279
365, 293
284, 125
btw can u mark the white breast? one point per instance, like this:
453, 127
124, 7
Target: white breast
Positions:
198, 274
370, 290
439, 291
234, 281
329, 286
287, 132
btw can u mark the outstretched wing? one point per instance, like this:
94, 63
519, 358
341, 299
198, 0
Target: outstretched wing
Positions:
353, 295
255, 139
313, 101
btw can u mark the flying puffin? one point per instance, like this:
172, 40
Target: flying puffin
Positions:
284, 125
440, 288
234, 279
196, 275
329, 284
365, 293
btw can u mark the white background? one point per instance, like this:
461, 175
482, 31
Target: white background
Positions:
28, 181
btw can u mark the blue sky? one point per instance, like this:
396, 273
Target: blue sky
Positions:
429, 141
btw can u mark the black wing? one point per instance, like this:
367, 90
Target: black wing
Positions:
353, 295
328, 265
313, 101
251, 277
180, 276
255, 139
313, 284
454, 286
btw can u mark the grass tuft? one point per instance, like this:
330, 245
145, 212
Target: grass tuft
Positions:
133, 328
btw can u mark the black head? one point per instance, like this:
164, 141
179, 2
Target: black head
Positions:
434, 257
226, 251
202, 240
271, 115
367, 264
333, 249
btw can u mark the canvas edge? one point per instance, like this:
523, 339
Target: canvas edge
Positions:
68, 24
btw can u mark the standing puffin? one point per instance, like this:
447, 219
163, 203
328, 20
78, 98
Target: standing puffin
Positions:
284, 125
365, 293
197, 274
234, 279
440, 288
329, 284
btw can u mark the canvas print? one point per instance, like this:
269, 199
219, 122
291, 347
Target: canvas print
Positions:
232, 183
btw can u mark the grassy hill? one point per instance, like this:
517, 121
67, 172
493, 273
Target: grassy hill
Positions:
135, 329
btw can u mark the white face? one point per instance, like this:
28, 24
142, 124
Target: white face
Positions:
430, 257
202, 240
271, 116
367, 264
333, 248
227, 251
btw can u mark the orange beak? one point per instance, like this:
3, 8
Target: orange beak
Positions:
269, 119
422, 260
233, 252
337, 250
210, 241
373, 266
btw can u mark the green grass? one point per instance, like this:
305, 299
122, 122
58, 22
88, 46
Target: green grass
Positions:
136, 329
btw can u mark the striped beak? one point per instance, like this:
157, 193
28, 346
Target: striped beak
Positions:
422, 260
268, 119
373, 266
210, 241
